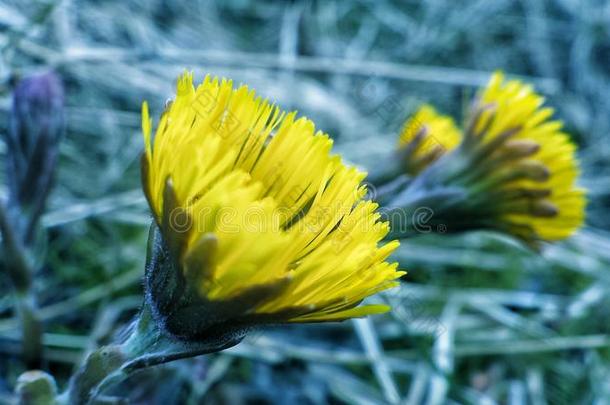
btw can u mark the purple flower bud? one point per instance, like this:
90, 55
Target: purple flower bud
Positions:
36, 127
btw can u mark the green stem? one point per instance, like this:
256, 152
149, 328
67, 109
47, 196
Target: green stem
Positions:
146, 346
99, 365
31, 330
162, 358
387, 170
18, 266
16, 261
384, 192
417, 210
103, 367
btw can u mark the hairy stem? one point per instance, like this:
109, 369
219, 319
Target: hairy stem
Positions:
146, 346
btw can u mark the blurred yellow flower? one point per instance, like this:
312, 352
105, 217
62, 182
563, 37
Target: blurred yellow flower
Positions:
425, 137
256, 211
534, 162
512, 169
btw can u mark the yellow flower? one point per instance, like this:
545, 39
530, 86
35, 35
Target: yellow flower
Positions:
257, 214
538, 185
425, 137
513, 169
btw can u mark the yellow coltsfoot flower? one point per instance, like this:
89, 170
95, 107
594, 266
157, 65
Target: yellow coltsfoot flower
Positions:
534, 162
425, 137
255, 221
514, 171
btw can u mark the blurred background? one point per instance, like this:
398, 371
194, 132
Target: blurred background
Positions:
481, 319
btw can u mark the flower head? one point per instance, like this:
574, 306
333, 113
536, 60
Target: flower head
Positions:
514, 170
533, 162
254, 220
425, 137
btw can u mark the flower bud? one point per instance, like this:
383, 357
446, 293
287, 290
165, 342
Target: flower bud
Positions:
36, 127
36, 387
425, 137
98, 366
